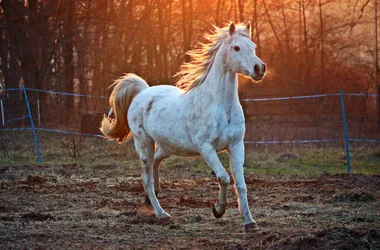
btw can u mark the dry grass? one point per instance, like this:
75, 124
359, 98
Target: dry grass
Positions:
300, 197
90, 206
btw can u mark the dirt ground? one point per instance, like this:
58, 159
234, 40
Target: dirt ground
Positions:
100, 207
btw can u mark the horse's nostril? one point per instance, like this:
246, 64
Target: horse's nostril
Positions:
256, 68
264, 68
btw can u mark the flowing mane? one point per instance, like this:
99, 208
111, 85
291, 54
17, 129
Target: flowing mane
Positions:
195, 72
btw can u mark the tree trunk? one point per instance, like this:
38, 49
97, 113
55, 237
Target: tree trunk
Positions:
255, 28
163, 53
187, 26
272, 25
241, 10
376, 47
68, 52
217, 14
322, 48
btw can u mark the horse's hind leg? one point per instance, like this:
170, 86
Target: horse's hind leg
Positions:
159, 155
145, 148
210, 156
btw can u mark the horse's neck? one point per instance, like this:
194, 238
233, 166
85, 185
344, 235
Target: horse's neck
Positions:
220, 85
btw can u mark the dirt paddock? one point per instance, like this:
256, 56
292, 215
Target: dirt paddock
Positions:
100, 207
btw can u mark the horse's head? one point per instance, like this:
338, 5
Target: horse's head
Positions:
241, 53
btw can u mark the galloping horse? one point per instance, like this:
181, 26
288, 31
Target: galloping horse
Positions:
202, 115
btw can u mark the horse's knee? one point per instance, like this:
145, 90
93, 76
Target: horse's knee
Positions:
146, 175
224, 179
241, 188
146, 162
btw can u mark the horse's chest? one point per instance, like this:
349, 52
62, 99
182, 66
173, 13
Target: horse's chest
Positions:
228, 132
216, 126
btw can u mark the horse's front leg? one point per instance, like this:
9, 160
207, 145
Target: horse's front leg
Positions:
236, 152
210, 156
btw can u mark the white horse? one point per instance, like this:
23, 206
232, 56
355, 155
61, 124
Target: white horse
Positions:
201, 116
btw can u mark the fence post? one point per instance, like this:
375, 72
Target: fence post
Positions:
345, 132
2, 112
36, 144
38, 113
378, 106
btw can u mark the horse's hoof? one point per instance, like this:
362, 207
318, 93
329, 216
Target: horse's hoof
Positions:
216, 214
164, 217
251, 227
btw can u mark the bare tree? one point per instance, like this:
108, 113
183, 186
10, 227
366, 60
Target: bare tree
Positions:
56, 44
68, 49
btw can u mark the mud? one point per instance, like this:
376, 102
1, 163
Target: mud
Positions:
101, 207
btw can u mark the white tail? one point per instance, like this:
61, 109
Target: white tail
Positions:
126, 88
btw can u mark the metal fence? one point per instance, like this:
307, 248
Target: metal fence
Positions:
338, 118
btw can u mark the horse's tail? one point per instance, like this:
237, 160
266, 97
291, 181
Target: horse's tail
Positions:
126, 88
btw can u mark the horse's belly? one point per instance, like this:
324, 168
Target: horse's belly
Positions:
172, 138
176, 147
221, 142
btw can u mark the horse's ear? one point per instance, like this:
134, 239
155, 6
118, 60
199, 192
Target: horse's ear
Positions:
232, 29
248, 26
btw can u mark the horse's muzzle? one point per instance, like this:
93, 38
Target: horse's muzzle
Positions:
257, 78
259, 70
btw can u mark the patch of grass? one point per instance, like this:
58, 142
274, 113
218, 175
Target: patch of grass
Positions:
304, 162
17, 148
353, 197
56, 149
308, 162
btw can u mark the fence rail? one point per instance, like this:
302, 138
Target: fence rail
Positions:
304, 97
344, 125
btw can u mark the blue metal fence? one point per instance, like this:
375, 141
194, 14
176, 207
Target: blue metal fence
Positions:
346, 139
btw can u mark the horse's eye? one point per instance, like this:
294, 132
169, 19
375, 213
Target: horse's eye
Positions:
236, 48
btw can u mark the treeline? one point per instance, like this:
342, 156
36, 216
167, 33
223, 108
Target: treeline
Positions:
310, 46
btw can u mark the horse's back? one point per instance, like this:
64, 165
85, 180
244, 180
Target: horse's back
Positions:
157, 113
147, 101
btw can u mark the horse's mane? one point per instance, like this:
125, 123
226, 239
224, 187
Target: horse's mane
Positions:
195, 72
